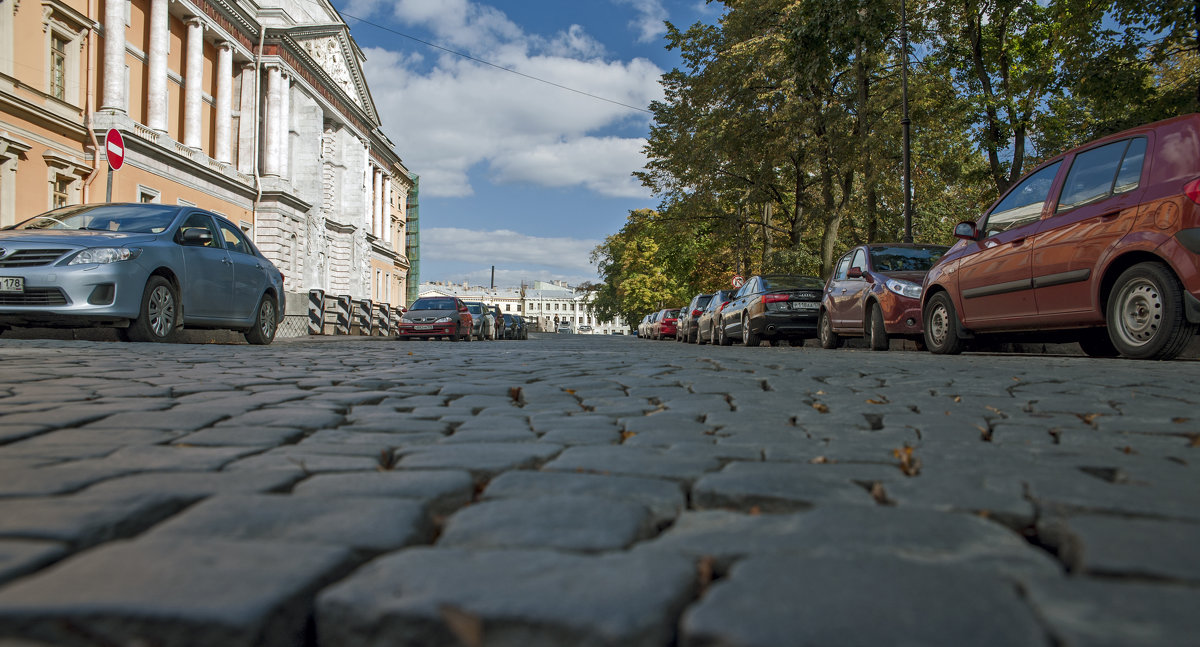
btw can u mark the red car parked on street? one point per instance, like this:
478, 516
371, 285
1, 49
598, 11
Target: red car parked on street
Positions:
1100, 245
875, 292
665, 324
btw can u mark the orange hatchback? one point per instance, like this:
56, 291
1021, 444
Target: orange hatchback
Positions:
1099, 245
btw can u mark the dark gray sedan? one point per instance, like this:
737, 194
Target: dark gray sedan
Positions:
146, 269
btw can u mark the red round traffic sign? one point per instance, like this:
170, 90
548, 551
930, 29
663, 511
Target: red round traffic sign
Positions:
114, 147
737, 281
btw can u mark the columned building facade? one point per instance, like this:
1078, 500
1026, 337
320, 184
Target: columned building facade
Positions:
257, 110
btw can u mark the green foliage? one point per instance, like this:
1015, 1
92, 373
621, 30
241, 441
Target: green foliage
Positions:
778, 143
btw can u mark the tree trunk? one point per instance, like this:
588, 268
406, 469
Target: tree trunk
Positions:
767, 212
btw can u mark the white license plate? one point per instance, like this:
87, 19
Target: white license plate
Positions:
12, 284
422, 327
805, 305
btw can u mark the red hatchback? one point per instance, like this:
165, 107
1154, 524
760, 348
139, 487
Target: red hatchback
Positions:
1100, 245
665, 325
875, 291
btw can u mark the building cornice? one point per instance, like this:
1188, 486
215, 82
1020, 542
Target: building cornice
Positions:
20, 108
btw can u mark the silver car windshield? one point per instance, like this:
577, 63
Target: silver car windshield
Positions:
143, 219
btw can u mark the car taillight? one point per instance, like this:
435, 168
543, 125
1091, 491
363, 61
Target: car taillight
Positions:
773, 298
1193, 190
696, 313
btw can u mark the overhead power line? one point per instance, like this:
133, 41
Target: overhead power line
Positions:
490, 64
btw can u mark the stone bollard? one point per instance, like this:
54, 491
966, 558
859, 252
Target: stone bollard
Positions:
343, 315
365, 320
316, 312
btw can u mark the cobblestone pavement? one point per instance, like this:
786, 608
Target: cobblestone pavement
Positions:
586, 490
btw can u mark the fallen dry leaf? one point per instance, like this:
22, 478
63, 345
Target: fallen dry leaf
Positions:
821, 407
515, 393
958, 398
705, 572
1180, 421
910, 465
1128, 450
465, 626
1195, 441
879, 494
878, 401
755, 511
820, 460
626, 435
571, 391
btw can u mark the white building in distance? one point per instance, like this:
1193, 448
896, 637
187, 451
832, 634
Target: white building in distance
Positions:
545, 305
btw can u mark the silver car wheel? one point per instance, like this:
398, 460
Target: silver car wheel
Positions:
266, 315
939, 324
1139, 310
160, 310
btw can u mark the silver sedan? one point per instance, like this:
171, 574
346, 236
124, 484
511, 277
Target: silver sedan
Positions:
146, 269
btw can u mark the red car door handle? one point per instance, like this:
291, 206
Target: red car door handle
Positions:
1018, 241
1110, 216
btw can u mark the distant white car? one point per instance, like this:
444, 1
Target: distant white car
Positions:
564, 328
585, 329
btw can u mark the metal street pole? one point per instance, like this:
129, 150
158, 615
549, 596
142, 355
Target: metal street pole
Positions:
904, 122
108, 191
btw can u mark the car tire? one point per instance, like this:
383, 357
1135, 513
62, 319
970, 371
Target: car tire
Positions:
829, 339
941, 326
158, 317
749, 338
1145, 313
700, 340
265, 325
879, 336
723, 338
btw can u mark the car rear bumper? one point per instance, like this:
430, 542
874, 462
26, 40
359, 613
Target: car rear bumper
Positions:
785, 324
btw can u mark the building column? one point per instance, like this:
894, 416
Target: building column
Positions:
285, 124
270, 129
247, 147
193, 77
223, 151
387, 209
369, 182
156, 86
377, 205
114, 56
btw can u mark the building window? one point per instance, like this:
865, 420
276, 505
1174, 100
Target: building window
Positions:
508, 307
58, 67
148, 195
60, 192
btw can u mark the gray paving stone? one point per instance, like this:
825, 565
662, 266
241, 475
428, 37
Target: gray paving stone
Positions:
55, 479
115, 438
565, 522
787, 487
631, 461
1114, 613
84, 520
237, 594
521, 597
482, 460
289, 416
442, 491
18, 557
793, 600
831, 531
1123, 546
664, 499
583, 436
241, 436
288, 458
196, 485
369, 525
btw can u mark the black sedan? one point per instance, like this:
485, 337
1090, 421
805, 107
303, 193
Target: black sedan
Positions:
685, 328
773, 307
709, 319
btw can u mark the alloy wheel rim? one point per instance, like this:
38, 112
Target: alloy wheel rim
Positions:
160, 311
266, 314
825, 328
1139, 312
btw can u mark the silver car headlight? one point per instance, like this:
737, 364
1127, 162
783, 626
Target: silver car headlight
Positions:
102, 255
444, 320
904, 288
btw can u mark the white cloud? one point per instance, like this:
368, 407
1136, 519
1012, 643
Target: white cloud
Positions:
461, 114
650, 18
567, 255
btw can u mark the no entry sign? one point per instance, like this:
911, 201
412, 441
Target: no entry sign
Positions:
114, 146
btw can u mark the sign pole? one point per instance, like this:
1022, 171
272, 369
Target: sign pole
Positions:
114, 151
108, 191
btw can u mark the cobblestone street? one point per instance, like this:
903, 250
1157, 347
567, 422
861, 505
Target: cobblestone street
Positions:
593, 490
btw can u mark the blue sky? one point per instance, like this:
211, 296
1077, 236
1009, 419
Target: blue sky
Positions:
516, 173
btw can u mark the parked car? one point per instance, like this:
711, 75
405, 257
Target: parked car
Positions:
772, 307
482, 326
585, 329
688, 317
430, 317
146, 269
1099, 244
665, 324
564, 328
644, 328
514, 327
875, 291
497, 319
709, 319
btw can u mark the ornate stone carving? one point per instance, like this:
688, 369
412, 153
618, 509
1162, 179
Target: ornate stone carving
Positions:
315, 255
362, 254
327, 52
